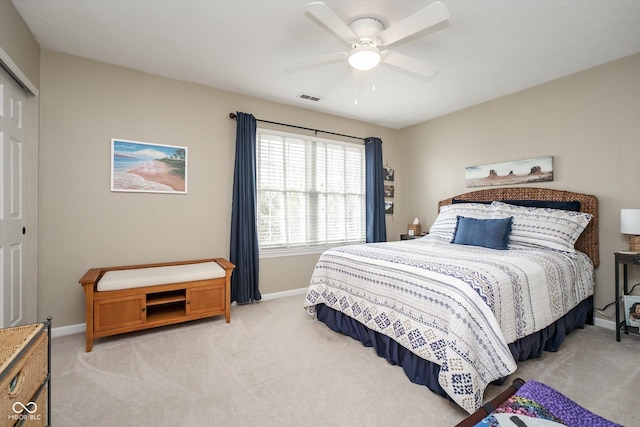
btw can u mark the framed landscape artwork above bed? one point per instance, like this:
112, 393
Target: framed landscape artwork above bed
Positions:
148, 168
539, 169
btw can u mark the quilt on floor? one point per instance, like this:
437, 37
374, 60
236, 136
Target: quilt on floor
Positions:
457, 306
536, 404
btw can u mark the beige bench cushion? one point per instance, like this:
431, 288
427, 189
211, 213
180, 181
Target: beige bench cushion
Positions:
152, 276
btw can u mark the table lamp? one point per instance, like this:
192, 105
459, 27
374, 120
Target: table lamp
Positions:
630, 224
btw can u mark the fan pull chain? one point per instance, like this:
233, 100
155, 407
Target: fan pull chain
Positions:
373, 79
355, 87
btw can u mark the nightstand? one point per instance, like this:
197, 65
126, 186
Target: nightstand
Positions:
624, 259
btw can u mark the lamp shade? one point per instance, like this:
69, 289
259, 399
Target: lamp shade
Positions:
630, 221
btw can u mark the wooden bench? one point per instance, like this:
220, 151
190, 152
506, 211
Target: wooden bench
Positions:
135, 297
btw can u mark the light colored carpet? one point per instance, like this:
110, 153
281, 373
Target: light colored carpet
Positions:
273, 365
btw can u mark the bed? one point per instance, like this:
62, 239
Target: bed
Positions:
458, 316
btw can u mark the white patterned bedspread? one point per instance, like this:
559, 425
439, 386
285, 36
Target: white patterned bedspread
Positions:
457, 306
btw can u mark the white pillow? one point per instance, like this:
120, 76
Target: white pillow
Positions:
445, 224
543, 227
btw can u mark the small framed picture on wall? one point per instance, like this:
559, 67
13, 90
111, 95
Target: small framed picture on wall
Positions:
388, 173
388, 190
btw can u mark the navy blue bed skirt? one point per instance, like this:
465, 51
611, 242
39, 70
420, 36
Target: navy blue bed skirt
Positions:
421, 371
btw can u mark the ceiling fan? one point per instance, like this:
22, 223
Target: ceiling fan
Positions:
369, 40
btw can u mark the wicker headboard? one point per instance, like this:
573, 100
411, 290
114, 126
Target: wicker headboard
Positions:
588, 241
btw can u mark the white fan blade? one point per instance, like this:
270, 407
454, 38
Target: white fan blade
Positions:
316, 60
421, 20
409, 64
329, 19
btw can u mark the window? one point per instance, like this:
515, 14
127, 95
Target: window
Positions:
311, 192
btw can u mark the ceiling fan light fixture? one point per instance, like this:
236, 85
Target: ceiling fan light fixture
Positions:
364, 57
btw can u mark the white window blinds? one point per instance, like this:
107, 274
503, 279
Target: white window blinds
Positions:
311, 191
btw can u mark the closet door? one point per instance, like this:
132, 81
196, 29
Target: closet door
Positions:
13, 295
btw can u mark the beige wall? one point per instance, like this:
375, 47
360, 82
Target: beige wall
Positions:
18, 42
83, 224
589, 122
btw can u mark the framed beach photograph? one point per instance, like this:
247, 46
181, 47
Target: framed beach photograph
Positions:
149, 168
632, 310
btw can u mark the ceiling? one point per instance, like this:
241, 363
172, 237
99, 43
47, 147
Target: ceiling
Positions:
486, 50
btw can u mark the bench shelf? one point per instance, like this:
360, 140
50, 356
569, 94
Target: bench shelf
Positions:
162, 298
126, 310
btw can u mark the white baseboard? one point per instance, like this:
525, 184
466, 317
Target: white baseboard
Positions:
61, 331
299, 291
82, 327
604, 323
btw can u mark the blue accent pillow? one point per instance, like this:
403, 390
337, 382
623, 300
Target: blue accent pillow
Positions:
488, 233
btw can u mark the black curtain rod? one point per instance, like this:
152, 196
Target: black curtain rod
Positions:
233, 116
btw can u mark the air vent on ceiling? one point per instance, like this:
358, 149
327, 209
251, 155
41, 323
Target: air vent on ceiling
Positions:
309, 97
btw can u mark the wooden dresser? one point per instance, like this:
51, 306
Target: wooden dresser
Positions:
25, 372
